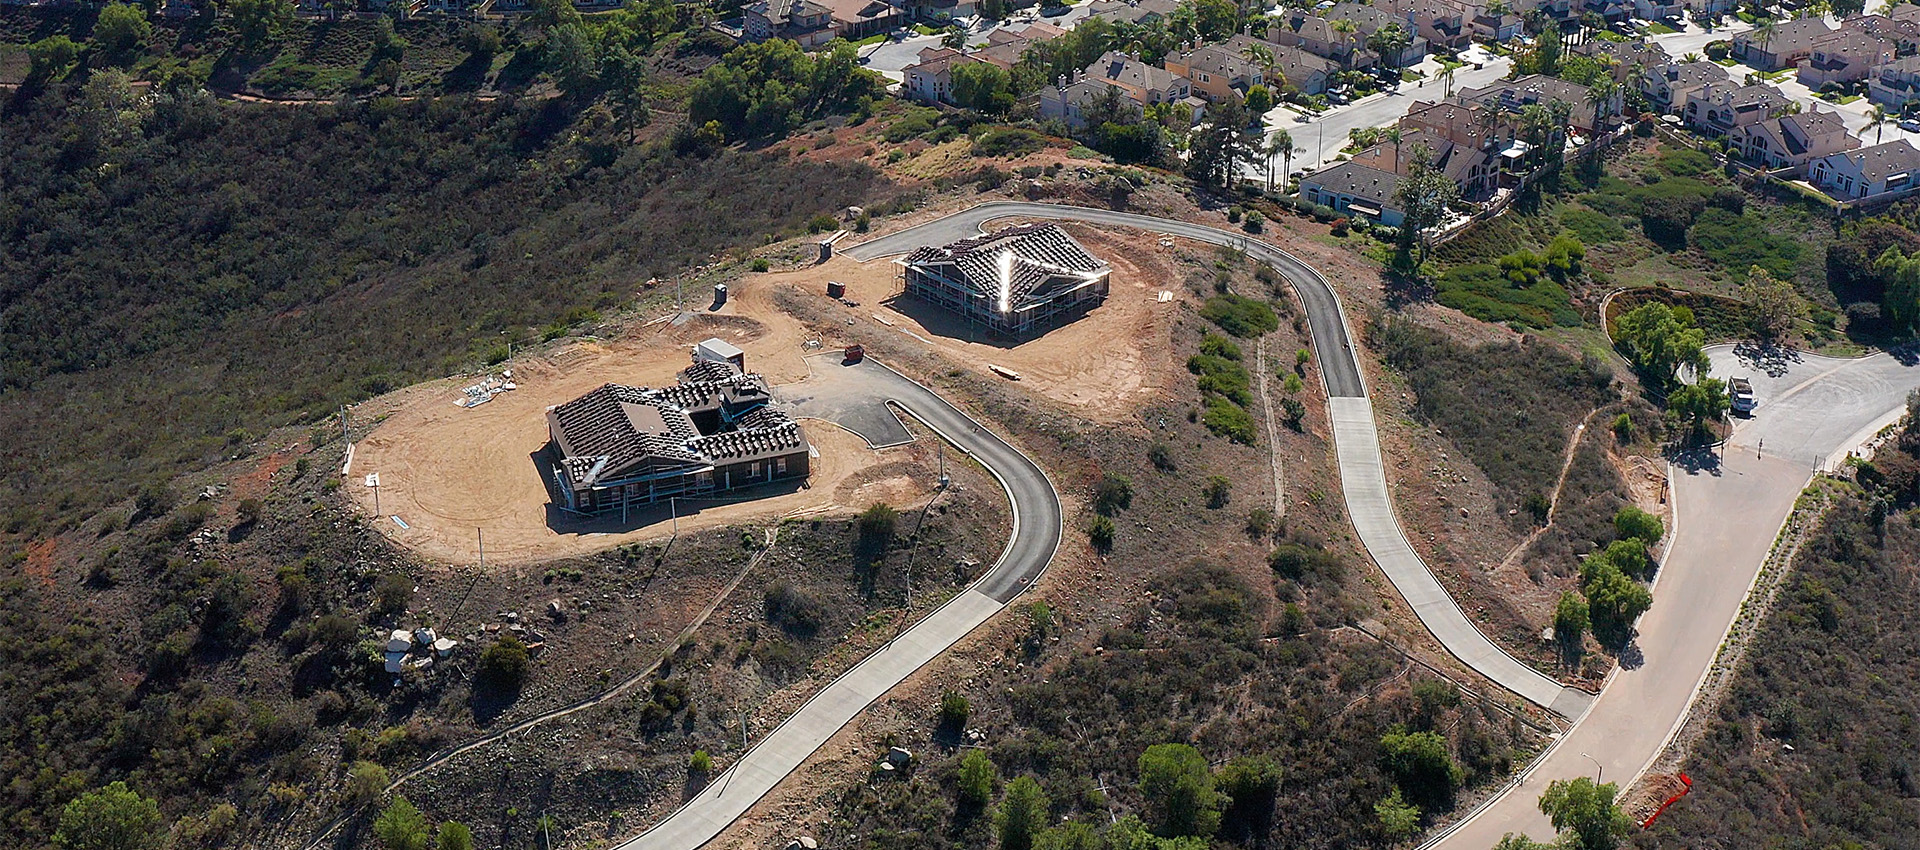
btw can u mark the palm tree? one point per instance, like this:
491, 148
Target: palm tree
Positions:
1393, 135
1763, 33
1600, 97
1878, 118
1690, 58
1280, 144
1345, 28
955, 38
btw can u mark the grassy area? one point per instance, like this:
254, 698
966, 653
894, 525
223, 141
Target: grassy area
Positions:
1658, 28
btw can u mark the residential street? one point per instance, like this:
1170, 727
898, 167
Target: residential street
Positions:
1323, 137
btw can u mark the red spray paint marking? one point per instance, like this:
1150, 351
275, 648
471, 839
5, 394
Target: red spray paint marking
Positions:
1687, 787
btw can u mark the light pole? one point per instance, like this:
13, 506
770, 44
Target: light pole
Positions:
1599, 769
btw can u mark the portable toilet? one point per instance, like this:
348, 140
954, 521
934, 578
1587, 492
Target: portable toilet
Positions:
719, 294
836, 289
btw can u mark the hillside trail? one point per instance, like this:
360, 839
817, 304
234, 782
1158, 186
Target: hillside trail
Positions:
1273, 435
1553, 501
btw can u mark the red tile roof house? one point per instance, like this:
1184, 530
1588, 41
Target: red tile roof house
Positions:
1015, 282
714, 431
1786, 45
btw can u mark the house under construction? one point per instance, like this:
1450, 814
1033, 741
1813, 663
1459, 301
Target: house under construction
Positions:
715, 430
1015, 282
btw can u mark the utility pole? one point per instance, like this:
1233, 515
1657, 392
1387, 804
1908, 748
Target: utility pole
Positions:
482, 538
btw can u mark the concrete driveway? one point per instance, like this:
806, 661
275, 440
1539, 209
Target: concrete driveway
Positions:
1729, 508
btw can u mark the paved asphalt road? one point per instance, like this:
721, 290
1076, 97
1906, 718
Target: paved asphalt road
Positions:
1323, 137
1727, 517
1036, 534
1362, 471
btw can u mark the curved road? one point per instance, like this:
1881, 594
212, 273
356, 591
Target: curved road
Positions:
1362, 470
1036, 534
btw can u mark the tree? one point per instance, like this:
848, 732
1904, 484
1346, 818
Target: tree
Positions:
454, 835
1516, 841
112, 818
1585, 814
1424, 198
503, 666
977, 778
1570, 620
1631, 523
1844, 9
51, 59
1878, 118
1251, 783
954, 711
261, 21
1773, 304
1900, 302
983, 87
1658, 340
1280, 144
1259, 100
1023, 814
1613, 601
1221, 145
1422, 764
954, 38
1218, 491
1179, 792
547, 14
1699, 404
569, 54
1398, 818
121, 31
1389, 41
877, 523
401, 826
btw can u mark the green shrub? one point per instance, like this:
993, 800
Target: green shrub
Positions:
760, 264
1221, 376
1100, 532
1296, 561
1228, 420
1218, 491
1592, 227
503, 666
1113, 493
1631, 523
793, 610
1008, 141
1239, 315
1623, 428
1740, 241
977, 777
700, 763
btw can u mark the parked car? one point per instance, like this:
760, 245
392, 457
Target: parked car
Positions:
1743, 400
1911, 125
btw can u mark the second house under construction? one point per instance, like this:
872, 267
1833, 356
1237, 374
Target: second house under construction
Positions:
1014, 282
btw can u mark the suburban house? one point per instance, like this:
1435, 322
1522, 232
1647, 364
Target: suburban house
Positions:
1300, 71
1866, 172
1368, 20
931, 79
1317, 36
1659, 10
1144, 84
1896, 84
1353, 189
1133, 11
1559, 10
1717, 108
1438, 21
1460, 123
1476, 170
1613, 11
1668, 87
1216, 71
1790, 141
1629, 58
805, 21
1902, 30
1072, 102
1511, 96
1005, 46
1497, 28
715, 430
1846, 55
1788, 43
1013, 282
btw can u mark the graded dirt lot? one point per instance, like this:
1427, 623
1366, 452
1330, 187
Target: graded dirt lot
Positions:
447, 470
1107, 364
